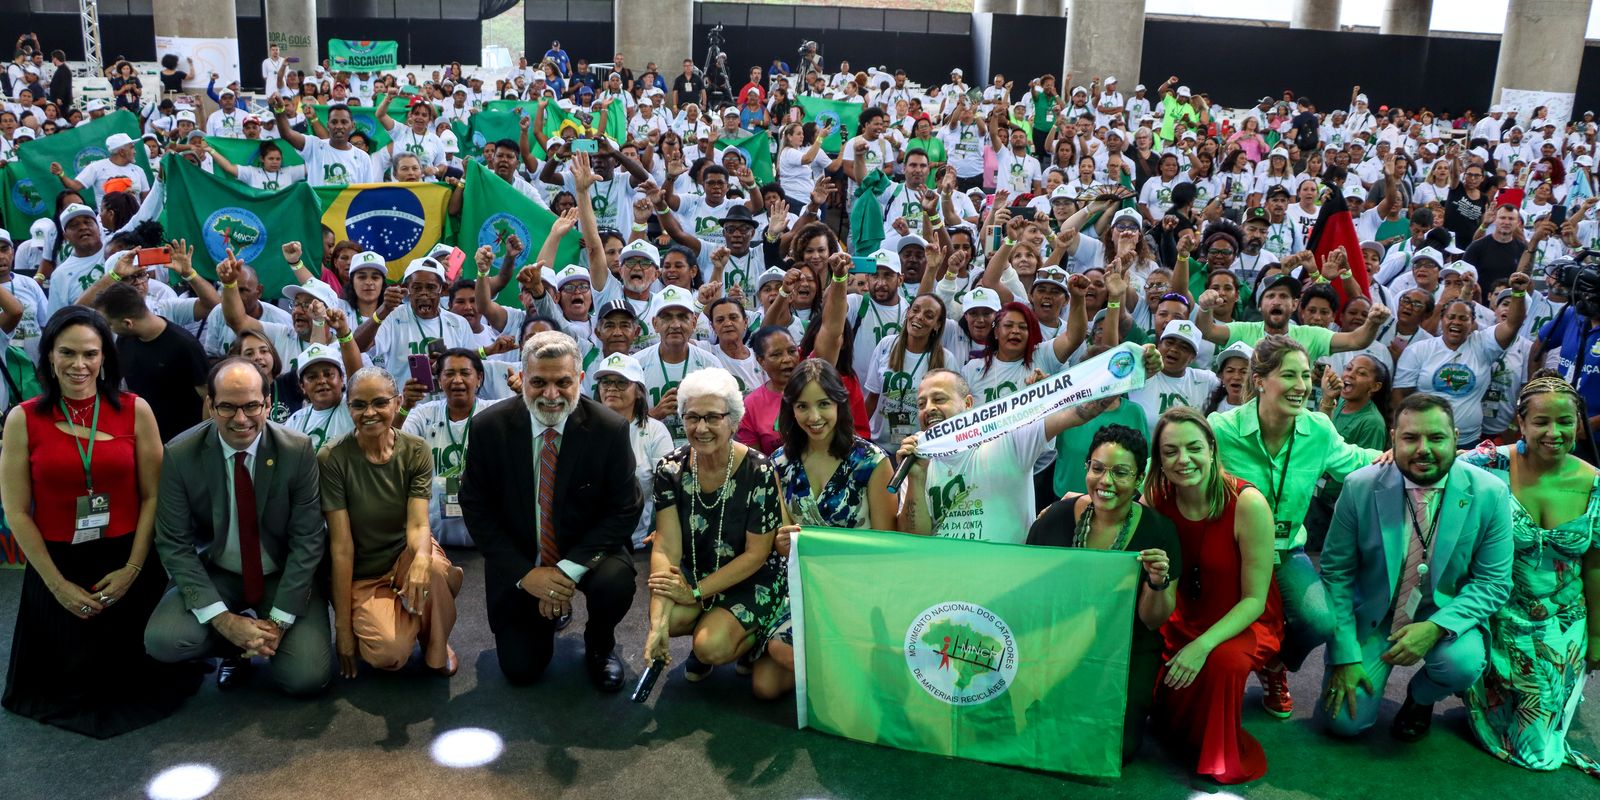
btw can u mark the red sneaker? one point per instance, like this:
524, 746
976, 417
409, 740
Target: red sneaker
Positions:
1275, 697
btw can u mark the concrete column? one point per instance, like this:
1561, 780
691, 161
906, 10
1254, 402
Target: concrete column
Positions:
1315, 15
292, 26
993, 6
1105, 38
1540, 52
661, 31
1406, 17
1041, 8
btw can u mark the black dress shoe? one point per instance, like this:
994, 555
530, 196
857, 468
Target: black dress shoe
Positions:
605, 671
1412, 721
563, 621
233, 673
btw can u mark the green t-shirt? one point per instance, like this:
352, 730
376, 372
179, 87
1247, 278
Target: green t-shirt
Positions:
1044, 111
1072, 445
932, 145
375, 495
1316, 340
1171, 111
1364, 428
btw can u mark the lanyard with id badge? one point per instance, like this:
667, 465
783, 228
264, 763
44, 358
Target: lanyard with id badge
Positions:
451, 507
93, 512
901, 416
1280, 527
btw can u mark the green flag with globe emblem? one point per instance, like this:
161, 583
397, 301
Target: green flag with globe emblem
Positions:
993, 652
757, 151
222, 214
30, 189
492, 212
844, 117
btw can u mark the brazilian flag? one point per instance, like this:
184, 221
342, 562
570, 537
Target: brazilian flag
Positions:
491, 212
366, 120
30, 189
218, 215
399, 221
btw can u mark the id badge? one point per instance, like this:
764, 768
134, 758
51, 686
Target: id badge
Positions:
1413, 603
452, 495
900, 423
1280, 530
93, 515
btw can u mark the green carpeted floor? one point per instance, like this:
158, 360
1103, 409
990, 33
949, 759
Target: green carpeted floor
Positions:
372, 738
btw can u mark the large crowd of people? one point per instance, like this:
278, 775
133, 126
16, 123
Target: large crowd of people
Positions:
205, 473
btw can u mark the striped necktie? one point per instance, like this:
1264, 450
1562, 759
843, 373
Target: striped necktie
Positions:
549, 554
1416, 554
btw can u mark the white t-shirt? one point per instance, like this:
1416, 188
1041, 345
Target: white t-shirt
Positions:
403, 335
896, 415
327, 166
797, 177
258, 178
35, 308
97, 173
963, 146
746, 372
986, 494
322, 426
704, 220
613, 200
1461, 376
216, 337
1162, 391
1005, 377
660, 376
1014, 174
221, 123
878, 153
1156, 195
427, 148
448, 439
873, 323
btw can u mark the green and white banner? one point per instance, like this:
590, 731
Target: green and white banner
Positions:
993, 652
1116, 371
363, 55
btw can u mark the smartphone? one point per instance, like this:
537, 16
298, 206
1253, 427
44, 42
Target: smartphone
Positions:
152, 256
293, 59
421, 370
1558, 215
589, 146
1023, 211
863, 265
995, 237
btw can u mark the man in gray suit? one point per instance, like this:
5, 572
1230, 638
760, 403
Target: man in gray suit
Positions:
226, 565
1418, 557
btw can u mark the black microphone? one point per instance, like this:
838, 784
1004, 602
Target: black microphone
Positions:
900, 474
647, 681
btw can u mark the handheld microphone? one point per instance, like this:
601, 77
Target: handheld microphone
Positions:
647, 681
900, 474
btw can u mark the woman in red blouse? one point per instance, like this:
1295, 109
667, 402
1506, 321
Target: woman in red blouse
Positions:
78, 478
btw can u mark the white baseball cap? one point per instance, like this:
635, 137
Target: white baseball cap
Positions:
622, 365
23, 133
773, 274
1278, 152
1429, 254
956, 72
640, 248
909, 240
95, 105
673, 297
1110, 80
1055, 276
1235, 350
1128, 213
572, 272
1361, 98
5, 236
1062, 193
1183, 91
367, 259
117, 141
1180, 329
981, 297
424, 264
316, 353
73, 211
887, 260
315, 289
185, 116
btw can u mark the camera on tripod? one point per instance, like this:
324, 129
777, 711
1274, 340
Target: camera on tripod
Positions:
714, 37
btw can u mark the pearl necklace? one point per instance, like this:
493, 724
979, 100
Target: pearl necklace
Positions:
719, 505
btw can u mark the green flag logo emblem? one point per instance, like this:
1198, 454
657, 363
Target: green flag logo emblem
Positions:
961, 653
89, 155
235, 229
26, 197
498, 229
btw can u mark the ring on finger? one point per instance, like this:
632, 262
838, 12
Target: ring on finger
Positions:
83, 609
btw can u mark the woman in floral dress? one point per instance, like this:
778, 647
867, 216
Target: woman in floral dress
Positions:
713, 571
1539, 642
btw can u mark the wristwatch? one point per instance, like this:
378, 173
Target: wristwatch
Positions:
1162, 587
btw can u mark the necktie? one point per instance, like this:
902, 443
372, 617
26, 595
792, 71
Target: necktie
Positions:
244, 510
1416, 554
549, 554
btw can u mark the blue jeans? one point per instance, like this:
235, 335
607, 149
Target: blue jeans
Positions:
1307, 615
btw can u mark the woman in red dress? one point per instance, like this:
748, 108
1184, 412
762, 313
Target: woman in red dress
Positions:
1229, 620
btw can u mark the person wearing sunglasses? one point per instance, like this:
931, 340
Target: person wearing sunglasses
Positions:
392, 586
1107, 515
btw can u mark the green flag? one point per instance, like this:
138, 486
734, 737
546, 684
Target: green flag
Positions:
841, 115
216, 214
492, 126
995, 652
366, 119
491, 212
31, 189
757, 150
247, 152
360, 55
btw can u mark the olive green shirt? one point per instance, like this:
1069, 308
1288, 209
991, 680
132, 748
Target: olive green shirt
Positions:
375, 496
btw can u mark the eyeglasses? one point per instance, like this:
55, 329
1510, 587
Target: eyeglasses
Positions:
229, 410
1156, 286
1220, 251
1413, 302
691, 420
614, 383
575, 287
1118, 474
378, 403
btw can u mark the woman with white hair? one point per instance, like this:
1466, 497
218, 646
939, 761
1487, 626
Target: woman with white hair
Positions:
713, 573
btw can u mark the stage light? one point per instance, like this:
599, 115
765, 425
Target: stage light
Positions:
464, 748
183, 782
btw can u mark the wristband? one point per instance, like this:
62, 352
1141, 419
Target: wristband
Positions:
347, 337
136, 567
1116, 304
234, 285
296, 265
840, 278
696, 592
1518, 294
782, 292
1008, 242
936, 221
376, 320
1347, 274
482, 354
1320, 278
638, 228
664, 210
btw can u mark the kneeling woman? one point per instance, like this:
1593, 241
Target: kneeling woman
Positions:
1108, 516
392, 586
713, 573
1229, 619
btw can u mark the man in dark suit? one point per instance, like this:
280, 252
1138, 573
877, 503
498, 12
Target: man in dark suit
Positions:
225, 564
550, 497
1418, 558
